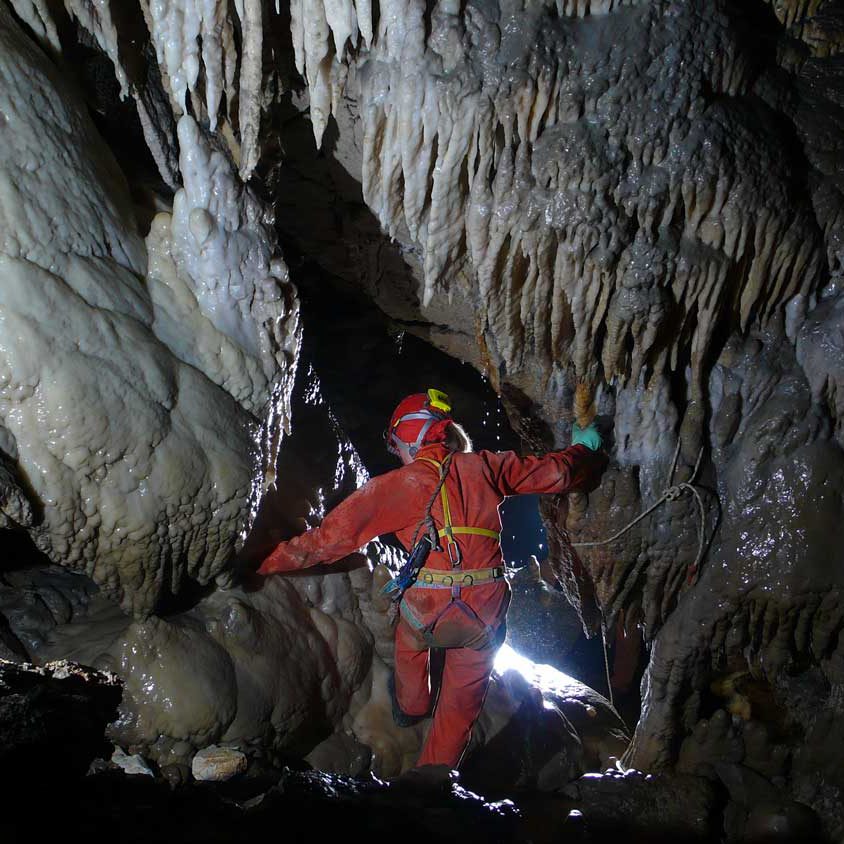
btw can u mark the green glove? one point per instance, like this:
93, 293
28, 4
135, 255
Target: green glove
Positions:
587, 436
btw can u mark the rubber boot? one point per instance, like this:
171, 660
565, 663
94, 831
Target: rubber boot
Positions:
400, 717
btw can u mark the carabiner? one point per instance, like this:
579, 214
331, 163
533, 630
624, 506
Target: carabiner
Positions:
454, 556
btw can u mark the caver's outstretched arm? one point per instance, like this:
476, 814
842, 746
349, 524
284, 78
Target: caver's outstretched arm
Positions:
385, 504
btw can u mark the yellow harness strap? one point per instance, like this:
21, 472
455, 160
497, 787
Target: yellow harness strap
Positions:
492, 534
450, 530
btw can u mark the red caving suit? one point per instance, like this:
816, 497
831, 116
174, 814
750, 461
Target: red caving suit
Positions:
472, 627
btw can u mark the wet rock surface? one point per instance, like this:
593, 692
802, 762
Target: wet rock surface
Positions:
541, 624
321, 807
672, 307
297, 665
648, 808
539, 730
130, 802
34, 599
145, 382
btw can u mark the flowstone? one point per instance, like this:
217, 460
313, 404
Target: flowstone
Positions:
138, 437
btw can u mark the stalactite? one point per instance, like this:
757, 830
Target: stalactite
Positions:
425, 172
479, 218
97, 19
251, 77
37, 16
164, 432
185, 33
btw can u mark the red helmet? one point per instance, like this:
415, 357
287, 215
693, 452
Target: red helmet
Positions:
419, 419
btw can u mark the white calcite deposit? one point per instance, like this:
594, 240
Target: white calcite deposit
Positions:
142, 390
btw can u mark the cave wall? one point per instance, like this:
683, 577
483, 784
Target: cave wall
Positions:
293, 670
641, 195
644, 196
284, 669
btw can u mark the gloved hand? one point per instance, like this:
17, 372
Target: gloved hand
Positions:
587, 436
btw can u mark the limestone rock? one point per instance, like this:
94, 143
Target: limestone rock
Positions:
541, 624
217, 764
539, 729
643, 194
35, 599
144, 443
59, 712
340, 753
656, 808
134, 764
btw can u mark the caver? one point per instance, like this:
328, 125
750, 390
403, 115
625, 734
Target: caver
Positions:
458, 600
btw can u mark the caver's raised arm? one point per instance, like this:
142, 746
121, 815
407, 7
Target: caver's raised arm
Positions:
573, 468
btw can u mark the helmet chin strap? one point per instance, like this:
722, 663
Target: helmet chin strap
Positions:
404, 452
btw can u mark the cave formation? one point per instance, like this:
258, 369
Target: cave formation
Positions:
234, 234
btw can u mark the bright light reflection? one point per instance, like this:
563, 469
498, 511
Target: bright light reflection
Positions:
544, 677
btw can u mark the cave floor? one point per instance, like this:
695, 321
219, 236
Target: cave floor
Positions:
111, 806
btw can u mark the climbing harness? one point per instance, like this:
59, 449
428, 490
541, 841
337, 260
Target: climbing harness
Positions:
448, 531
435, 579
415, 574
395, 588
457, 579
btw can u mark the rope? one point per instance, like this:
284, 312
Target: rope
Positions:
673, 493
428, 519
607, 663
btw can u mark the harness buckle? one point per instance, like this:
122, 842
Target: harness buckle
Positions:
468, 580
448, 580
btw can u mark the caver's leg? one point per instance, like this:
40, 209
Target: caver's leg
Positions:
465, 679
413, 688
